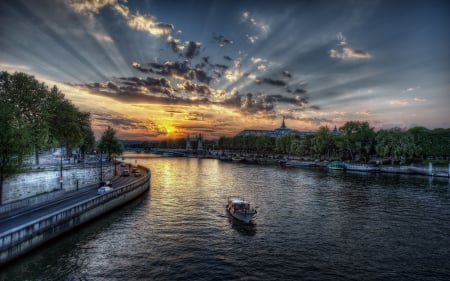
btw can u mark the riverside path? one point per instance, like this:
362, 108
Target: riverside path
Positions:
29, 214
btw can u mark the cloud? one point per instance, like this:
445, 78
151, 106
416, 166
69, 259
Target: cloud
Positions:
149, 24
177, 70
349, 53
102, 37
345, 52
136, 21
287, 74
195, 88
262, 29
192, 49
417, 99
411, 89
399, 102
221, 40
270, 81
194, 116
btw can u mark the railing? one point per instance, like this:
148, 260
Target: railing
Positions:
32, 228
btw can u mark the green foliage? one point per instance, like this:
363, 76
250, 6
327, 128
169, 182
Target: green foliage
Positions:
357, 140
15, 143
109, 143
34, 118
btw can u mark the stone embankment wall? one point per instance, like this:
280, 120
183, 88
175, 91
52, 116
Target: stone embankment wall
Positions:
24, 238
34, 183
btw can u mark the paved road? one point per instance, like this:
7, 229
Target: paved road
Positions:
71, 198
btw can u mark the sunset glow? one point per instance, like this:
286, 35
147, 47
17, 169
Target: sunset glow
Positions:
166, 69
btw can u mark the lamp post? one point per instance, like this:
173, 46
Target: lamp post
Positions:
101, 167
60, 171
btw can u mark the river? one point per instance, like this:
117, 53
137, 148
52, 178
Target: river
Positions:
312, 224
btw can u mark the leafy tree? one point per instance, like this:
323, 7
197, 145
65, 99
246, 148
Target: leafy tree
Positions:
356, 138
323, 142
14, 144
67, 125
109, 143
27, 96
283, 143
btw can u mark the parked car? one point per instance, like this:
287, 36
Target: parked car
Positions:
137, 173
134, 169
105, 183
123, 164
104, 189
125, 173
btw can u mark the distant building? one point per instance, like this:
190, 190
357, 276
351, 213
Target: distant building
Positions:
282, 130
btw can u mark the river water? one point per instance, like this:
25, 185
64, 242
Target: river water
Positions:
312, 225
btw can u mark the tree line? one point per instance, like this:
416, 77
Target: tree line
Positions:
356, 141
33, 118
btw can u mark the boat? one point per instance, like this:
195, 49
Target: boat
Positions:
361, 167
240, 209
336, 165
296, 163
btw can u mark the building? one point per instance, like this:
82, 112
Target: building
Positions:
282, 130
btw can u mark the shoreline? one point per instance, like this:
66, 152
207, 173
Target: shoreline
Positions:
290, 162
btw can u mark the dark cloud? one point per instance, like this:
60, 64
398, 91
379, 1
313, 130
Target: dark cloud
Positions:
192, 49
221, 40
156, 65
140, 68
196, 88
270, 81
174, 44
315, 107
221, 66
178, 69
300, 91
287, 74
228, 58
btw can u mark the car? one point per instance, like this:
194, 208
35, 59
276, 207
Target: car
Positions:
105, 183
123, 164
104, 189
134, 169
137, 173
125, 173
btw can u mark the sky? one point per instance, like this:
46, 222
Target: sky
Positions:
164, 69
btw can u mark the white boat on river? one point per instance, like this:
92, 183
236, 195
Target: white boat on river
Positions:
240, 209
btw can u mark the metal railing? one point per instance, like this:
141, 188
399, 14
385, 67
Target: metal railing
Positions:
33, 228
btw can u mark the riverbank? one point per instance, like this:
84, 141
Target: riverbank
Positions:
27, 234
413, 169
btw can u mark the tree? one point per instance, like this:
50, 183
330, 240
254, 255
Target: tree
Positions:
14, 144
356, 138
323, 142
27, 96
283, 143
67, 125
109, 143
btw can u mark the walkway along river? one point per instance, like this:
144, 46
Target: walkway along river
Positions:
312, 224
28, 230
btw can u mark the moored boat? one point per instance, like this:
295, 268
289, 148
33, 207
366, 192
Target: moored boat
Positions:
240, 209
361, 167
336, 165
296, 163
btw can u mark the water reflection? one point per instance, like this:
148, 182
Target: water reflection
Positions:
311, 224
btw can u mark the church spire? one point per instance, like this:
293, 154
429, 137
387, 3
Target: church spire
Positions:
283, 126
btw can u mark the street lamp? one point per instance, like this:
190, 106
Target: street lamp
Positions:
60, 171
101, 167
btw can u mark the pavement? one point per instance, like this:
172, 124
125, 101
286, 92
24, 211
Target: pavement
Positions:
28, 214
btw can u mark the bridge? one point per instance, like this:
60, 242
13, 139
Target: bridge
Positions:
171, 152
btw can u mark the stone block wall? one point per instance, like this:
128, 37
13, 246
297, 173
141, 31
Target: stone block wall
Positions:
33, 183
